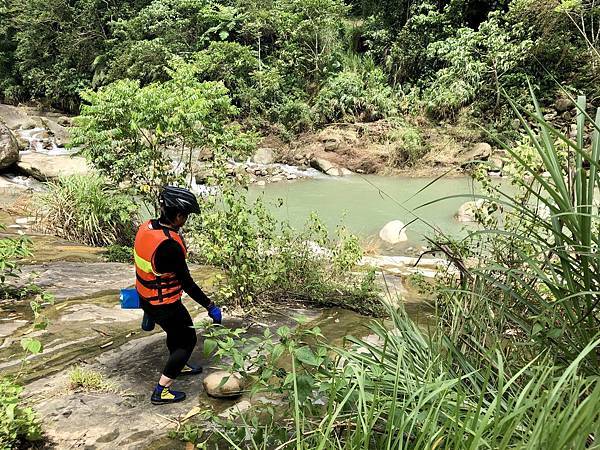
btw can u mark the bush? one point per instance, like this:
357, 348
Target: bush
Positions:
406, 146
18, 425
359, 94
89, 380
147, 136
400, 388
119, 253
85, 209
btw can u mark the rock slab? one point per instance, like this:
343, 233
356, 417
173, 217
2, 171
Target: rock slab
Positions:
46, 167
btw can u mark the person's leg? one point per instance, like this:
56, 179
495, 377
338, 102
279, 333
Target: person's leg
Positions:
175, 320
181, 340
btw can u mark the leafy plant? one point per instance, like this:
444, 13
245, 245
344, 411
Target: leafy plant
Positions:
11, 251
18, 424
264, 259
89, 380
146, 136
356, 94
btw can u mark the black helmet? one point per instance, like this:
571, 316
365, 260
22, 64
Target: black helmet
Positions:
178, 199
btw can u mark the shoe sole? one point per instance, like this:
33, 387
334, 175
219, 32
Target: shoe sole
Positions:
166, 402
187, 374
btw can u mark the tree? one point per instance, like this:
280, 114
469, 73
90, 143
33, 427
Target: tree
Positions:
147, 136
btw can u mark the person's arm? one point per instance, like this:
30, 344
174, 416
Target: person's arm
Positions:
170, 258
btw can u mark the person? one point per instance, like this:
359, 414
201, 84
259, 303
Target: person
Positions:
162, 275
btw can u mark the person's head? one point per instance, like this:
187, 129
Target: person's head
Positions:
176, 204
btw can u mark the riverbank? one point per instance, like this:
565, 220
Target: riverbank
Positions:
35, 143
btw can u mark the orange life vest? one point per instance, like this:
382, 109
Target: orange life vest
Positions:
156, 288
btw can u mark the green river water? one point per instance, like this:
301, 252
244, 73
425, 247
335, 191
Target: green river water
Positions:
366, 203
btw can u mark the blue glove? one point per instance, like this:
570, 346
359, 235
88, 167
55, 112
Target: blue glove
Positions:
214, 312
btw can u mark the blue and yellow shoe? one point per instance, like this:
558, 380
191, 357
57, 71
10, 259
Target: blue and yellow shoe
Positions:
162, 395
191, 370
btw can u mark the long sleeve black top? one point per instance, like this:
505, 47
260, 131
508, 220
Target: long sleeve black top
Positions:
169, 257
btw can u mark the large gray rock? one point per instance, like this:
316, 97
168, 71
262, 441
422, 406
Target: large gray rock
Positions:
9, 148
479, 152
264, 155
12, 116
47, 167
329, 168
394, 232
60, 133
230, 388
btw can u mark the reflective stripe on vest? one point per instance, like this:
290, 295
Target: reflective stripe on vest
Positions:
156, 288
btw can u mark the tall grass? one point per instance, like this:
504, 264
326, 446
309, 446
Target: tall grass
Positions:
538, 275
83, 208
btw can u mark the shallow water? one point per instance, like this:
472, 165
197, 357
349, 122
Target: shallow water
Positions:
367, 203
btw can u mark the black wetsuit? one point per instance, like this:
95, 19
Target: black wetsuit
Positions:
174, 318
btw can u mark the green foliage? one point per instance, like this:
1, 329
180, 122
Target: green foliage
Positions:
11, 251
475, 64
84, 208
264, 259
18, 424
542, 286
89, 380
358, 93
119, 253
400, 388
146, 136
406, 144
145, 43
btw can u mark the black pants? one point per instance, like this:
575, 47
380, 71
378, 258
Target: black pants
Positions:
175, 319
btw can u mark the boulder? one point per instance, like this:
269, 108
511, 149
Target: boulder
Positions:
564, 104
28, 124
45, 167
468, 211
60, 133
264, 155
64, 121
479, 152
9, 147
496, 163
394, 232
232, 387
329, 168
12, 116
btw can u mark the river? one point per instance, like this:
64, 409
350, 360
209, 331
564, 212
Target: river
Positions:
366, 203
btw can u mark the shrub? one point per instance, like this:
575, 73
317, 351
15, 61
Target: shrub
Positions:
356, 95
119, 253
400, 388
18, 424
147, 135
84, 208
406, 146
